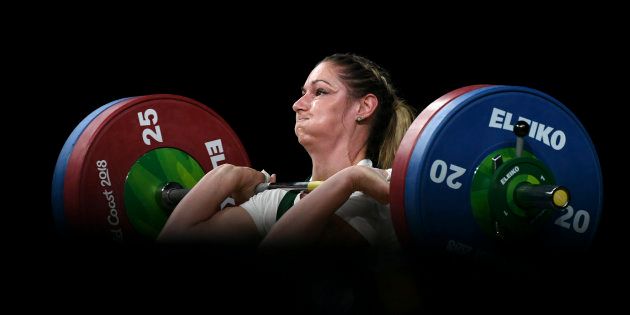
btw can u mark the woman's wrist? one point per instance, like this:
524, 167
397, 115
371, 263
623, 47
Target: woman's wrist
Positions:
355, 177
370, 181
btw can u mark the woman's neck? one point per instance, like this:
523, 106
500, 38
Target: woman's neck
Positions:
326, 164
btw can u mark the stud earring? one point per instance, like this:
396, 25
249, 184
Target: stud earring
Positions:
359, 119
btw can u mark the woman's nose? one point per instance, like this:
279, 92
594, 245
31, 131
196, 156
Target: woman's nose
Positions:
300, 104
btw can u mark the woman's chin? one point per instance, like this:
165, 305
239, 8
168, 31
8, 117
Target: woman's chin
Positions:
305, 141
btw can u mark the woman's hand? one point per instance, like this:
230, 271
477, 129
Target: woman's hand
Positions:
371, 181
247, 180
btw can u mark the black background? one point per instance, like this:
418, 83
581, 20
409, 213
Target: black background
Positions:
251, 77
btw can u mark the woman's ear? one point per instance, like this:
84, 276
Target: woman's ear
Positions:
367, 106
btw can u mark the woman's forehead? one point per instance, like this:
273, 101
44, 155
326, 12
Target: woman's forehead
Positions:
324, 71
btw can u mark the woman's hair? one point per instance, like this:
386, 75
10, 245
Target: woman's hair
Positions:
392, 117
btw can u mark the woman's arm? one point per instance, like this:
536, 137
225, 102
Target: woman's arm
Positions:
198, 215
308, 219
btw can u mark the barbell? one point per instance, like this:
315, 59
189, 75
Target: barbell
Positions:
480, 167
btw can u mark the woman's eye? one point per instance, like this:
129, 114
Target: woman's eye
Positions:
319, 92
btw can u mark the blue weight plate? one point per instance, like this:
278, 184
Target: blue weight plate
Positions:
62, 163
471, 127
401, 161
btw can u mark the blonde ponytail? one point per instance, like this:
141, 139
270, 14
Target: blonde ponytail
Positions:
402, 117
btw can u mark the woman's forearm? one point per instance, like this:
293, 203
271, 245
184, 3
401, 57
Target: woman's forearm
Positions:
305, 222
202, 202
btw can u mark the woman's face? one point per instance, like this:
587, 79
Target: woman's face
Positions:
323, 113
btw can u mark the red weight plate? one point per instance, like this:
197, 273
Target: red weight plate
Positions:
401, 161
118, 137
